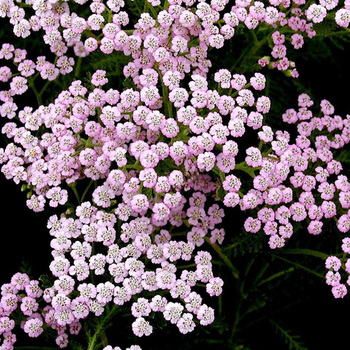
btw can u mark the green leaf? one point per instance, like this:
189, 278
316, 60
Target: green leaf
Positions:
45, 281
299, 251
290, 339
326, 27
300, 266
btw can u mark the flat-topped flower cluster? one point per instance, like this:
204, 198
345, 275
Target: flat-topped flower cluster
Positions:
144, 171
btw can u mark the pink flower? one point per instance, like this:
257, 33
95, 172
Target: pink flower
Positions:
286, 230
9, 302
155, 120
141, 327
178, 96
186, 323
333, 279
276, 241
139, 203
57, 196
160, 213
179, 44
316, 13
49, 71
339, 291
205, 315
102, 196
141, 308
165, 279
6, 324
158, 303
206, 161
180, 290
199, 99
173, 312
344, 199
315, 227
231, 199
148, 177
297, 41
223, 76
18, 85
149, 159
33, 327
344, 223
346, 245
342, 17
99, 78
214, 286
97, 262
217, 235
172, 251
258, 81
149, 95
254, 158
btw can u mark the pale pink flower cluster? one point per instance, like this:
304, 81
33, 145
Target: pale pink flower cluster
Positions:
300, 181
150, 166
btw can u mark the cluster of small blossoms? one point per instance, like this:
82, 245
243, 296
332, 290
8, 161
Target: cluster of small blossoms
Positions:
158, 158
293, 29
150, 39
124, 273
21, 71
85, 245
333, 277
300, 181
335, 265
318, 12
20, 296
23, 296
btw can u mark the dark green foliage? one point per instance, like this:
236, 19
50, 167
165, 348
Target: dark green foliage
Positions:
291, 340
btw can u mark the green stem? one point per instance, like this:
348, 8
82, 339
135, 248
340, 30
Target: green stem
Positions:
240, 297
110, 16
220, 304
100, 329
86, 191
224, 258
276, 275
255, 38
151, 9
260, 273
235, 244
304, 252
78, 67
186, 266
132, 166
74, 189
48, 82
166, 5
93, 340
299, 266
237, 312
104, 338
218, 172
36, 92
167, 103
247, 169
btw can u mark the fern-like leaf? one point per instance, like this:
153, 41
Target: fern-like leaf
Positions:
291, 340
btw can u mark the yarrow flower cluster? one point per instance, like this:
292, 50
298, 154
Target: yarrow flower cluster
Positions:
152, 165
